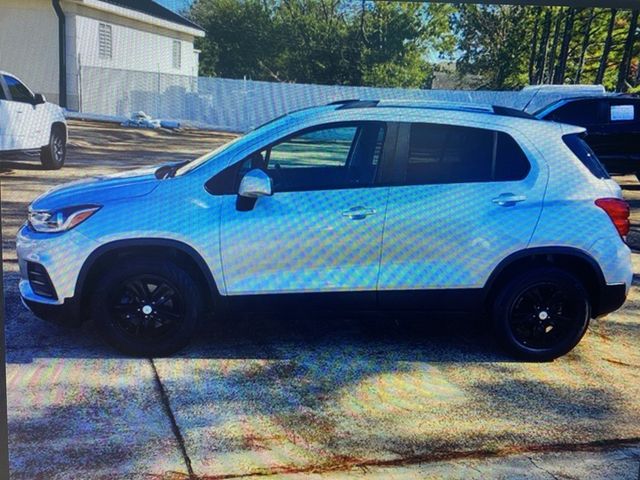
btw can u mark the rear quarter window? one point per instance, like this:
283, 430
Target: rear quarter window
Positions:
586, 155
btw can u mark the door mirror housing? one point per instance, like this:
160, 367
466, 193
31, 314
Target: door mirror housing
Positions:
256, 183
38, 99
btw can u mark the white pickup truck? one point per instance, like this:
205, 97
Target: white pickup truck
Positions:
29, 123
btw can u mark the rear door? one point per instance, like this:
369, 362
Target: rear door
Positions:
469, 198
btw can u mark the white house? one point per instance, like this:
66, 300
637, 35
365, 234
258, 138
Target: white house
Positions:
50, 43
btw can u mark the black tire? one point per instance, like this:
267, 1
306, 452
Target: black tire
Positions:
52, 156
119, 310
542, 314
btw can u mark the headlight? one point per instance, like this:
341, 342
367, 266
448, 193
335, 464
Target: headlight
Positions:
48, 221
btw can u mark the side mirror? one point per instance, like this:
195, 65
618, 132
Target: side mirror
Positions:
256, 183
39, 99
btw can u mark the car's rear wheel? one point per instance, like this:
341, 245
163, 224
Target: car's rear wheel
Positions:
147, 307
53, 155
542, 314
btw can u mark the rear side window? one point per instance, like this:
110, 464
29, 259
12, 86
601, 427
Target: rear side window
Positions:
453, 154
583, 151
582, 113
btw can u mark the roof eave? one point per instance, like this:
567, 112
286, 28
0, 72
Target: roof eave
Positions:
140, 16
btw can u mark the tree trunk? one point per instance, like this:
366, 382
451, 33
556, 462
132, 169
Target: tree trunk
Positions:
586, 38
628, 51
554, 47
604, 60
564, 50
534, 47
544, 45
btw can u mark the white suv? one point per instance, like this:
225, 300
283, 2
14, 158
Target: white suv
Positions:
29, 123
360, 204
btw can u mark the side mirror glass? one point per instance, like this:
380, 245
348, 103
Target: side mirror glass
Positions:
256, 183
39, 99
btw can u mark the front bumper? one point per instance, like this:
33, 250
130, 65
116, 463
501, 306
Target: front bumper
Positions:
61, 255
65, 314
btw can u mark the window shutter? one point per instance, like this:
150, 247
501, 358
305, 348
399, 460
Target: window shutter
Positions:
104, 41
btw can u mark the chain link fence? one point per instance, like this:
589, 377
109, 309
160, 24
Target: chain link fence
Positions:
241, 105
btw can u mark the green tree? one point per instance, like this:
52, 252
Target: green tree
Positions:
490, 39
239, 36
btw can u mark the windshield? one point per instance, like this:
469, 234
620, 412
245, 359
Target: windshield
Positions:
192, 165
187, 167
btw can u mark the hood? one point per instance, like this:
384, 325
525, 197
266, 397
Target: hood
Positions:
99, 190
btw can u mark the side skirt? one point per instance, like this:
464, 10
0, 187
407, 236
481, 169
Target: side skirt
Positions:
447, 300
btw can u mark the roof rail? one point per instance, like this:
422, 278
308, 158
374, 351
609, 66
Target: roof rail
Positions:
435, 105
345, 104
512, 112
342, 102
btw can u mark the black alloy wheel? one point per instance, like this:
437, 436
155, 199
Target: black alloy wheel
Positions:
52, 156
542, 314
146, 307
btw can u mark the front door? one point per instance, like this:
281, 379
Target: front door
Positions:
22, 126
321, 230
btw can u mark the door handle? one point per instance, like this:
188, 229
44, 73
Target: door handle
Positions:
358, 213
508, 199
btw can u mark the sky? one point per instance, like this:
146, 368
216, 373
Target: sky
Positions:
175, 5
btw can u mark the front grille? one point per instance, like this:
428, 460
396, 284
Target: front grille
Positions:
40, 281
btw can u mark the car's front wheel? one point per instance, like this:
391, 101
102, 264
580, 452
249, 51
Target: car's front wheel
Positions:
53, 155
542, 314
148, 307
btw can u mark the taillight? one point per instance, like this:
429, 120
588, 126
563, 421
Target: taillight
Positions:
618, 211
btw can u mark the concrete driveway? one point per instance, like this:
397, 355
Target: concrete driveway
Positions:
303, 394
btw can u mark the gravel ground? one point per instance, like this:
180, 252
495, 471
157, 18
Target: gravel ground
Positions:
304, 394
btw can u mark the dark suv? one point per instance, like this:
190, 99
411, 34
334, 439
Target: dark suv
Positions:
612, 123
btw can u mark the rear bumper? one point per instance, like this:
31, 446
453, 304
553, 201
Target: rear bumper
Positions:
612, 297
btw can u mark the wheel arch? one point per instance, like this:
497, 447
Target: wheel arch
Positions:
574, 260
63, 126
182, 254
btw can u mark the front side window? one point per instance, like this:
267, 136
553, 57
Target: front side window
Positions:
18, 92
441, 154
323, 158
105, 41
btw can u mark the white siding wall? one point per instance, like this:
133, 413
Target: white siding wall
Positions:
29, 44
133, 48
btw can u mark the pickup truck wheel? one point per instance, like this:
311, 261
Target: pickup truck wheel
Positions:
52, 156
148, 307
541, 314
